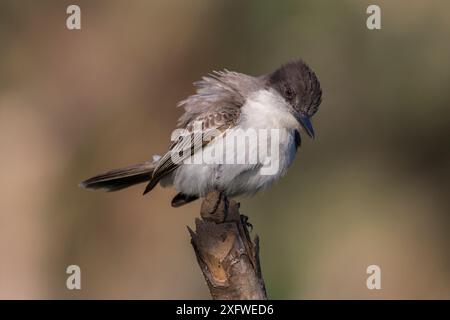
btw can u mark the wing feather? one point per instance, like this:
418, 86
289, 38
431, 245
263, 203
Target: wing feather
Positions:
214, 108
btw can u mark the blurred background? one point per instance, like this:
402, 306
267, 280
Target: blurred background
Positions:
373, 188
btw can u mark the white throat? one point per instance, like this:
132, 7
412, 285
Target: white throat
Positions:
267, 109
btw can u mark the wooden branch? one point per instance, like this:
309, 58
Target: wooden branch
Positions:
225, 253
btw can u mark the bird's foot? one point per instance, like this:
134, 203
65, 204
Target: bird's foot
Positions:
244, 220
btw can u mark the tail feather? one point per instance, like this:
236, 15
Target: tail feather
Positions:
121, 178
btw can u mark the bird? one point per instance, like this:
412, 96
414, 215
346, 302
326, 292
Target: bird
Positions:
229, 104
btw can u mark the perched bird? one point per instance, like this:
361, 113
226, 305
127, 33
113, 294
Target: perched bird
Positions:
230, 104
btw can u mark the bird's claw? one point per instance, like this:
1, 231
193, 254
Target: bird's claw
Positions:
244, 220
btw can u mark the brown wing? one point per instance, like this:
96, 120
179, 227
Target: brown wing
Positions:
198, 133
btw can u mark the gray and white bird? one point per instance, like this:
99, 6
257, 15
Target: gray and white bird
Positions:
229, 104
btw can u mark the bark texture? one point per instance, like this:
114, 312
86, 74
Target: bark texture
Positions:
227, 256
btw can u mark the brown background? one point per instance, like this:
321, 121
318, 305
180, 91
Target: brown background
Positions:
373, 188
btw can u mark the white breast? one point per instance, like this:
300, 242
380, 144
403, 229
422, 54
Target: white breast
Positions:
265, 109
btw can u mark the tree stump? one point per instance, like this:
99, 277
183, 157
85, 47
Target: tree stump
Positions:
228, 258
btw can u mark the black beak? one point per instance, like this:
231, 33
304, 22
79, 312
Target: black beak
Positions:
306, 124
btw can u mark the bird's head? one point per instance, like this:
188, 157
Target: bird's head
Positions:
299, 86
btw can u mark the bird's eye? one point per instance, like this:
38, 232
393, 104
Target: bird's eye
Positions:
289, 92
